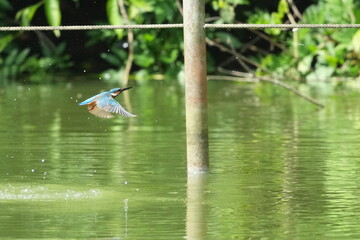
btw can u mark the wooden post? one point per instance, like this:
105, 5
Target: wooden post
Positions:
195, 86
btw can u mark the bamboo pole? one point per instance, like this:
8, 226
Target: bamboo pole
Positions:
196, 208
195, 86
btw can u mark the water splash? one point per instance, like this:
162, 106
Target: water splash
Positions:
46, 193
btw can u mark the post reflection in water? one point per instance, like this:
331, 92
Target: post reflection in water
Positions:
196, 213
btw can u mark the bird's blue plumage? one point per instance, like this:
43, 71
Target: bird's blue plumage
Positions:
92, 99
103, 104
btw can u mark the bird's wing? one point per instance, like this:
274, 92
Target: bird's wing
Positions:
99, 112
92, 99
108, 103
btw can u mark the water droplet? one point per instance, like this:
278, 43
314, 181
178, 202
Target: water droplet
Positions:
107, 75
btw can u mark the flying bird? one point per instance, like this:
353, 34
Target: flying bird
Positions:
103, 104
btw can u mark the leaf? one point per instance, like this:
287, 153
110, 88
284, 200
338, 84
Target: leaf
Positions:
114, 17
111, 59
228, 39
283, 7
321, 73
22, 56
304, 65
228, 13
53, 14
60, 49
355, 42
144, 60
4, 41
5, 5
170, 58
11, 57
25, 15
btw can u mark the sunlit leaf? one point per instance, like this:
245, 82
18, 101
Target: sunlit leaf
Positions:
304, 65
228, 14
114, 17
283, 7
26, 15
53, 14
355, 42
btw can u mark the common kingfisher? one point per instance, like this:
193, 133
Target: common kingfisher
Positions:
103, 104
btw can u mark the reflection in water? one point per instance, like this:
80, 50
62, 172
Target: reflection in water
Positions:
279, 169
196, 210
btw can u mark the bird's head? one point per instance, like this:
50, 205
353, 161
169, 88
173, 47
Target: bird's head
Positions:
116, 91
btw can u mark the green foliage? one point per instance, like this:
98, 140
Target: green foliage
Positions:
323, 53
17, 64
304, 53
11, 66
4, 7
263, 17
155, 50
52, 12
5, 41
227, 9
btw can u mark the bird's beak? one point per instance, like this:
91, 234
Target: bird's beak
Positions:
124, 89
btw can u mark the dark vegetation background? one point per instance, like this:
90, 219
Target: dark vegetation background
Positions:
301, 55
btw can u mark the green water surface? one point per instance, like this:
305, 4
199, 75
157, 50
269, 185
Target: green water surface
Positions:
280, 168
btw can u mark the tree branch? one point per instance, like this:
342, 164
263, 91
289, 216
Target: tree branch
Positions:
256, 79
225, 49
295, 9
130, 39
